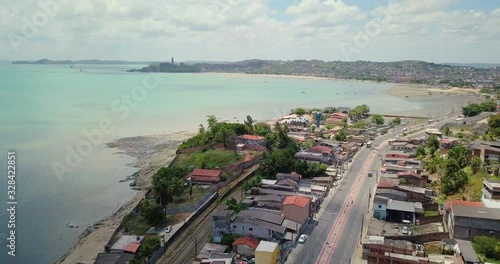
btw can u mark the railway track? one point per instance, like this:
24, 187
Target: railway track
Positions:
183, 249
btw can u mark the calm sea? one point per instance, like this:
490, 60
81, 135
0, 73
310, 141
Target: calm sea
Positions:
48, 111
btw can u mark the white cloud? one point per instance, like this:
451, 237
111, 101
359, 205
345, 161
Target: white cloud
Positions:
242, 29
327, 13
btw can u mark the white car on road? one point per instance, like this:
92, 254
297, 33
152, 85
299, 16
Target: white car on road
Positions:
302, 239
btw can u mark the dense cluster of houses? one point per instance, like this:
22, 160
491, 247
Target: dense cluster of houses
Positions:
405, 214
274, 214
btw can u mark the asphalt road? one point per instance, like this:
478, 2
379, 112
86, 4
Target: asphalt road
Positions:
335, 235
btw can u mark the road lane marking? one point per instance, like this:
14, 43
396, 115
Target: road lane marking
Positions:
354, 187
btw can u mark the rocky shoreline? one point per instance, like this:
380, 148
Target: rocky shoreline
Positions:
151, 152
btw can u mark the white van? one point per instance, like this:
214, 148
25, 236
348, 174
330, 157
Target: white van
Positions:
406, 222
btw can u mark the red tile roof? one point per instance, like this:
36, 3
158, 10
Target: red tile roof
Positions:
252, 137
321, 149
206, 173
247, 241
300, 201
463, 203
385, 184
132, 247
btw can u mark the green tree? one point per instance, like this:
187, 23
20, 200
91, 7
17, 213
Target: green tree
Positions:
378, 119
433, 142
446, 131
471, 110
341, 136
434, 164
262, 129
176, 186
149, 246
475, 164
487, 246
488, 106
359, 112
459, 154
300, 111
249, 124
494, 121
212, 121
454, 178
161, 187
228, 239
344, 123
396, 121
360, 124
153, 213
420, 152
234, 205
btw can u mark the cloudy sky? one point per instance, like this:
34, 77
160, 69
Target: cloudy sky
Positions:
230, 30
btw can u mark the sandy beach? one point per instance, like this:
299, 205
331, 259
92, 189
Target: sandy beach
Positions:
151, 152
403, 90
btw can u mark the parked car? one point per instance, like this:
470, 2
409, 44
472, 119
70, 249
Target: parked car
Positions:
405, 229
370, 174
302, 239
168, 229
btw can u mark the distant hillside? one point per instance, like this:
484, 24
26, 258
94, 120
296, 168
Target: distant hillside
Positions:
475, 65
396, 72
46, 61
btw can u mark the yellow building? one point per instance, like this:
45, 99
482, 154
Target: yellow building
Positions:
267, 253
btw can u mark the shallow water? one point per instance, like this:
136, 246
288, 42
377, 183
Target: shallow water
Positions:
47, 109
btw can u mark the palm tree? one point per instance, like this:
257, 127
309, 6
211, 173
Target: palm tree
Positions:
162, 189
176, 187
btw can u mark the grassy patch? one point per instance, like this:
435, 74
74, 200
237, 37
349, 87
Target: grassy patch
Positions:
135, 224
430, 213
198, 193
472, 191
433, 248
210, 159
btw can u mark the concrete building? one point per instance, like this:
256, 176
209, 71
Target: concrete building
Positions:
375, 247
127, 244
467, 222
465, 252
259, 223
491, 189
397, 211
486, 150
297, 208
312, 157
267, 253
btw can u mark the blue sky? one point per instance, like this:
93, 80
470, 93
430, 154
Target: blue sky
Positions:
381, 30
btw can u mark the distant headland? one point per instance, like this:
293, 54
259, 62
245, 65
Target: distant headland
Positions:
445, 75
416, 72
47, 61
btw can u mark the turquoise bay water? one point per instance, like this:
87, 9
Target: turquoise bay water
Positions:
44, 110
